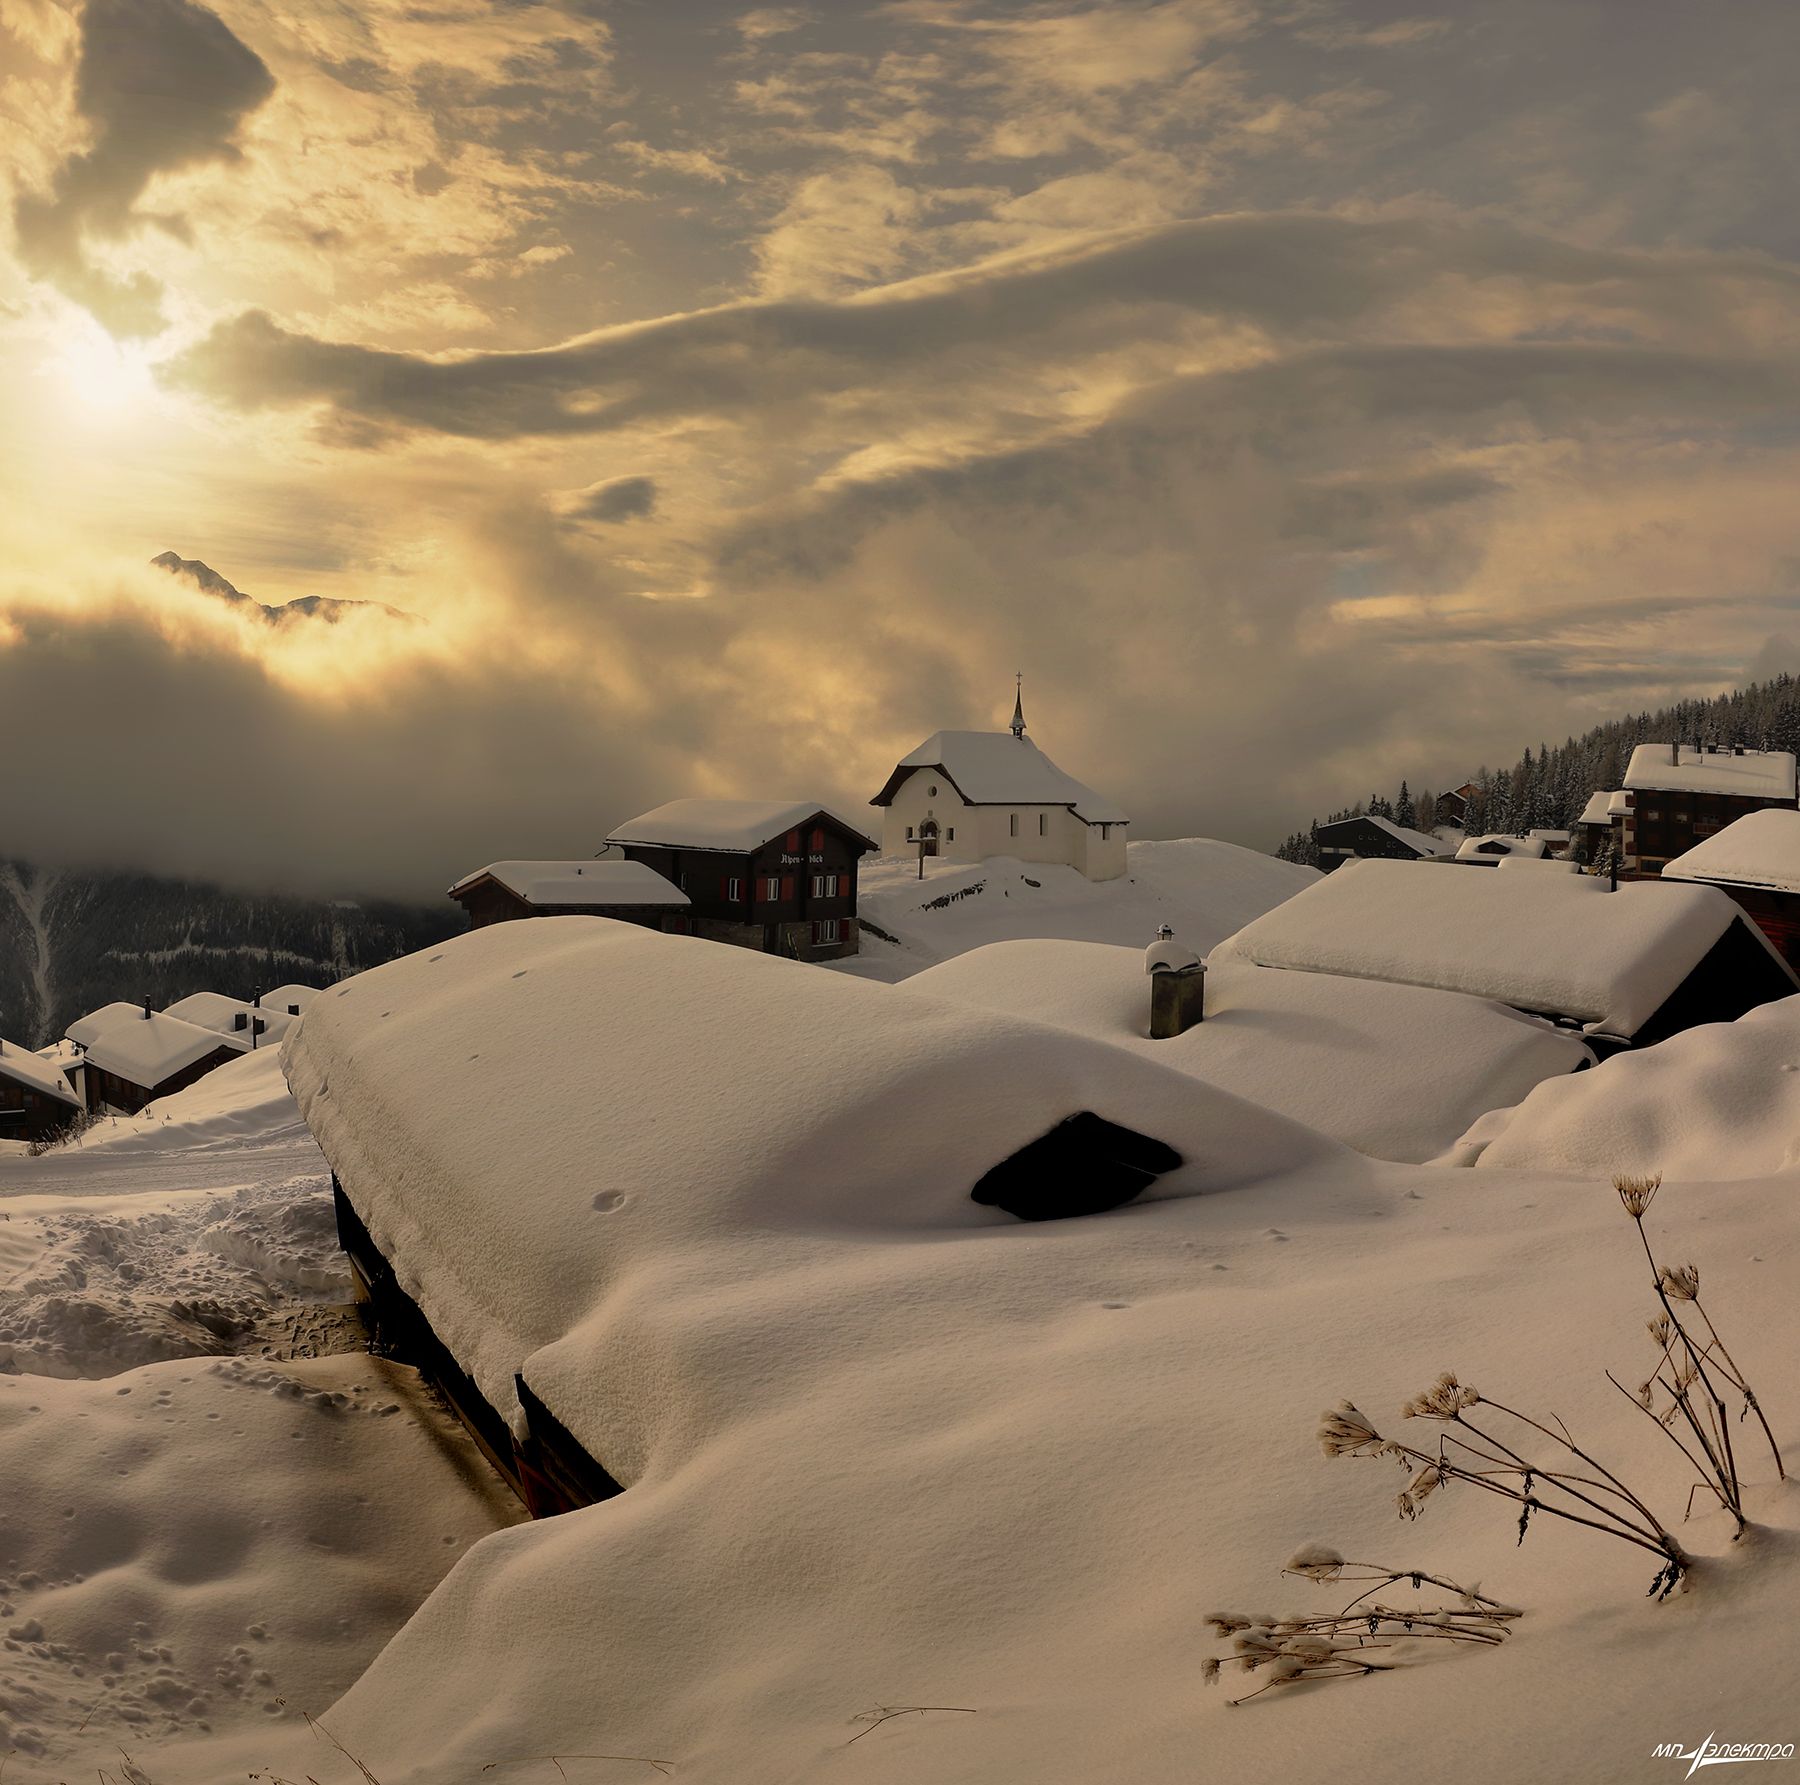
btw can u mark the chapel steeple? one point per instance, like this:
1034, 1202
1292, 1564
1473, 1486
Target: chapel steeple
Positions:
1018, 718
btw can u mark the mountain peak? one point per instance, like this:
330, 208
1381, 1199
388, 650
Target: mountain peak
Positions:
311, 607
202, 574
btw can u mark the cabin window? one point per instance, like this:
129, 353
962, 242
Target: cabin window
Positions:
932, 791
771, 886
827, 929
1043, 823
909, 834
1013, 823
950, 834
733, 888
825, 886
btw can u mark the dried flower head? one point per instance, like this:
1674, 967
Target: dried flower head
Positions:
1316, 1561
1209, 1670
1682, 1281
1637, 1193
1443, 1400
1346, 1432
1661, 1330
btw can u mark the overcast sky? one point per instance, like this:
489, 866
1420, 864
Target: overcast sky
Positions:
1300, 394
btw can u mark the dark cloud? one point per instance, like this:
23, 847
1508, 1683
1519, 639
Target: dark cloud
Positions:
160, 85
614, 499
1295, 276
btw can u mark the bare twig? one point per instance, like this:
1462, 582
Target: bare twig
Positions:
883, 1713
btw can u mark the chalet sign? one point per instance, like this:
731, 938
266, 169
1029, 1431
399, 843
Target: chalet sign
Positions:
796, 861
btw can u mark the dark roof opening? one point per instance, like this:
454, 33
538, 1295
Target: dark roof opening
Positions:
1085, 1165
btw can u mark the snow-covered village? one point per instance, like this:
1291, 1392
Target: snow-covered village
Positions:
898, 892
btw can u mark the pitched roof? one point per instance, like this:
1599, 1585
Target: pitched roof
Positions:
562, 885
216, 1011
154, 1048
282, 996
86, 1030
1419, 840
993, 768
1759, 849
733, 827
1561, 944
1498, 843
1753, 774
33, 1069
1597, 810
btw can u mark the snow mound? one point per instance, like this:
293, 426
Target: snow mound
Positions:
150, 1589
1397, 1072
698, 1092
1719, 1101
1205, 890
245, 1102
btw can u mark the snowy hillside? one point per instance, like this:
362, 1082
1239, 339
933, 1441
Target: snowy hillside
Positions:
1204, 889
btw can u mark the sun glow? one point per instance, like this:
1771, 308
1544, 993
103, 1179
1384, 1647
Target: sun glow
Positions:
104, 376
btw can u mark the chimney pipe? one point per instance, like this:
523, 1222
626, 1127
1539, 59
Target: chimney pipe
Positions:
1177, 986
146, 1010
1675, 753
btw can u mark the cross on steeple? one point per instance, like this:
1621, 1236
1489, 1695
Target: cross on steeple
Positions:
1018, 718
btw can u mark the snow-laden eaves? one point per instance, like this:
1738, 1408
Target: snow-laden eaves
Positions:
733, 827
561, 885
32, 1069
1761, 849
1415, 840
993, 768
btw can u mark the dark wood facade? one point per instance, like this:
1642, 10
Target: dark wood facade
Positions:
1666, 822
1775, 912
1361, 839
28, 1112
109, 1089
793, 894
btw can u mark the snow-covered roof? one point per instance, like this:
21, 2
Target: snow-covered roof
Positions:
1556, 943
283, 996
994, 768
1618, 803
1598, 809
1718, 1101
32, 1069
735, 827
1759, 849
1753, 774
86, 1030
1548, 833
1424, 843
562, 884
149, 1049
1398, 1072
1498, 843
216, 1011
721, 1091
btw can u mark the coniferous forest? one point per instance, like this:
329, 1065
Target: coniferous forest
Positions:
1547, 787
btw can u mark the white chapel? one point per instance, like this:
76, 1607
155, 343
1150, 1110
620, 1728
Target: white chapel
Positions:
972, 794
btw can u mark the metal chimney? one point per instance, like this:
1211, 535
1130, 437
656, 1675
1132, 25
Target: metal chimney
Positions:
146, 1010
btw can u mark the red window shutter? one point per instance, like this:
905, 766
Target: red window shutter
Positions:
724, 886
793, 842
818, 839
787, 886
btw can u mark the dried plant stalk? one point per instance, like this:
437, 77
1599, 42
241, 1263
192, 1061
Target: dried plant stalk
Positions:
1352, 1642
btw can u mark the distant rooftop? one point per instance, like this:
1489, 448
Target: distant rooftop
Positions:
994, 768
33, 1069
1680, 768
148, 1049
561, 885
735, 827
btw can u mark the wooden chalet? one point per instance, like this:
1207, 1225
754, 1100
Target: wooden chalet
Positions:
773, 875
1754, 860
133, 1056
628, 891
1678, 795
37, 1100
1365, 839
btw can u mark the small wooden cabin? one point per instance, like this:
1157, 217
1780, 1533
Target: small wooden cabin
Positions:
36, 1097
628, 891
778, 876
1754, 861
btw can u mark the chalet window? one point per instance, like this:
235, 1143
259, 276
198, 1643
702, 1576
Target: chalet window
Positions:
733, 888
1043, 823
909, 835
1653, 813
825, 886
932, 791
950, 834
771, 886
826, 929
1013, 822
